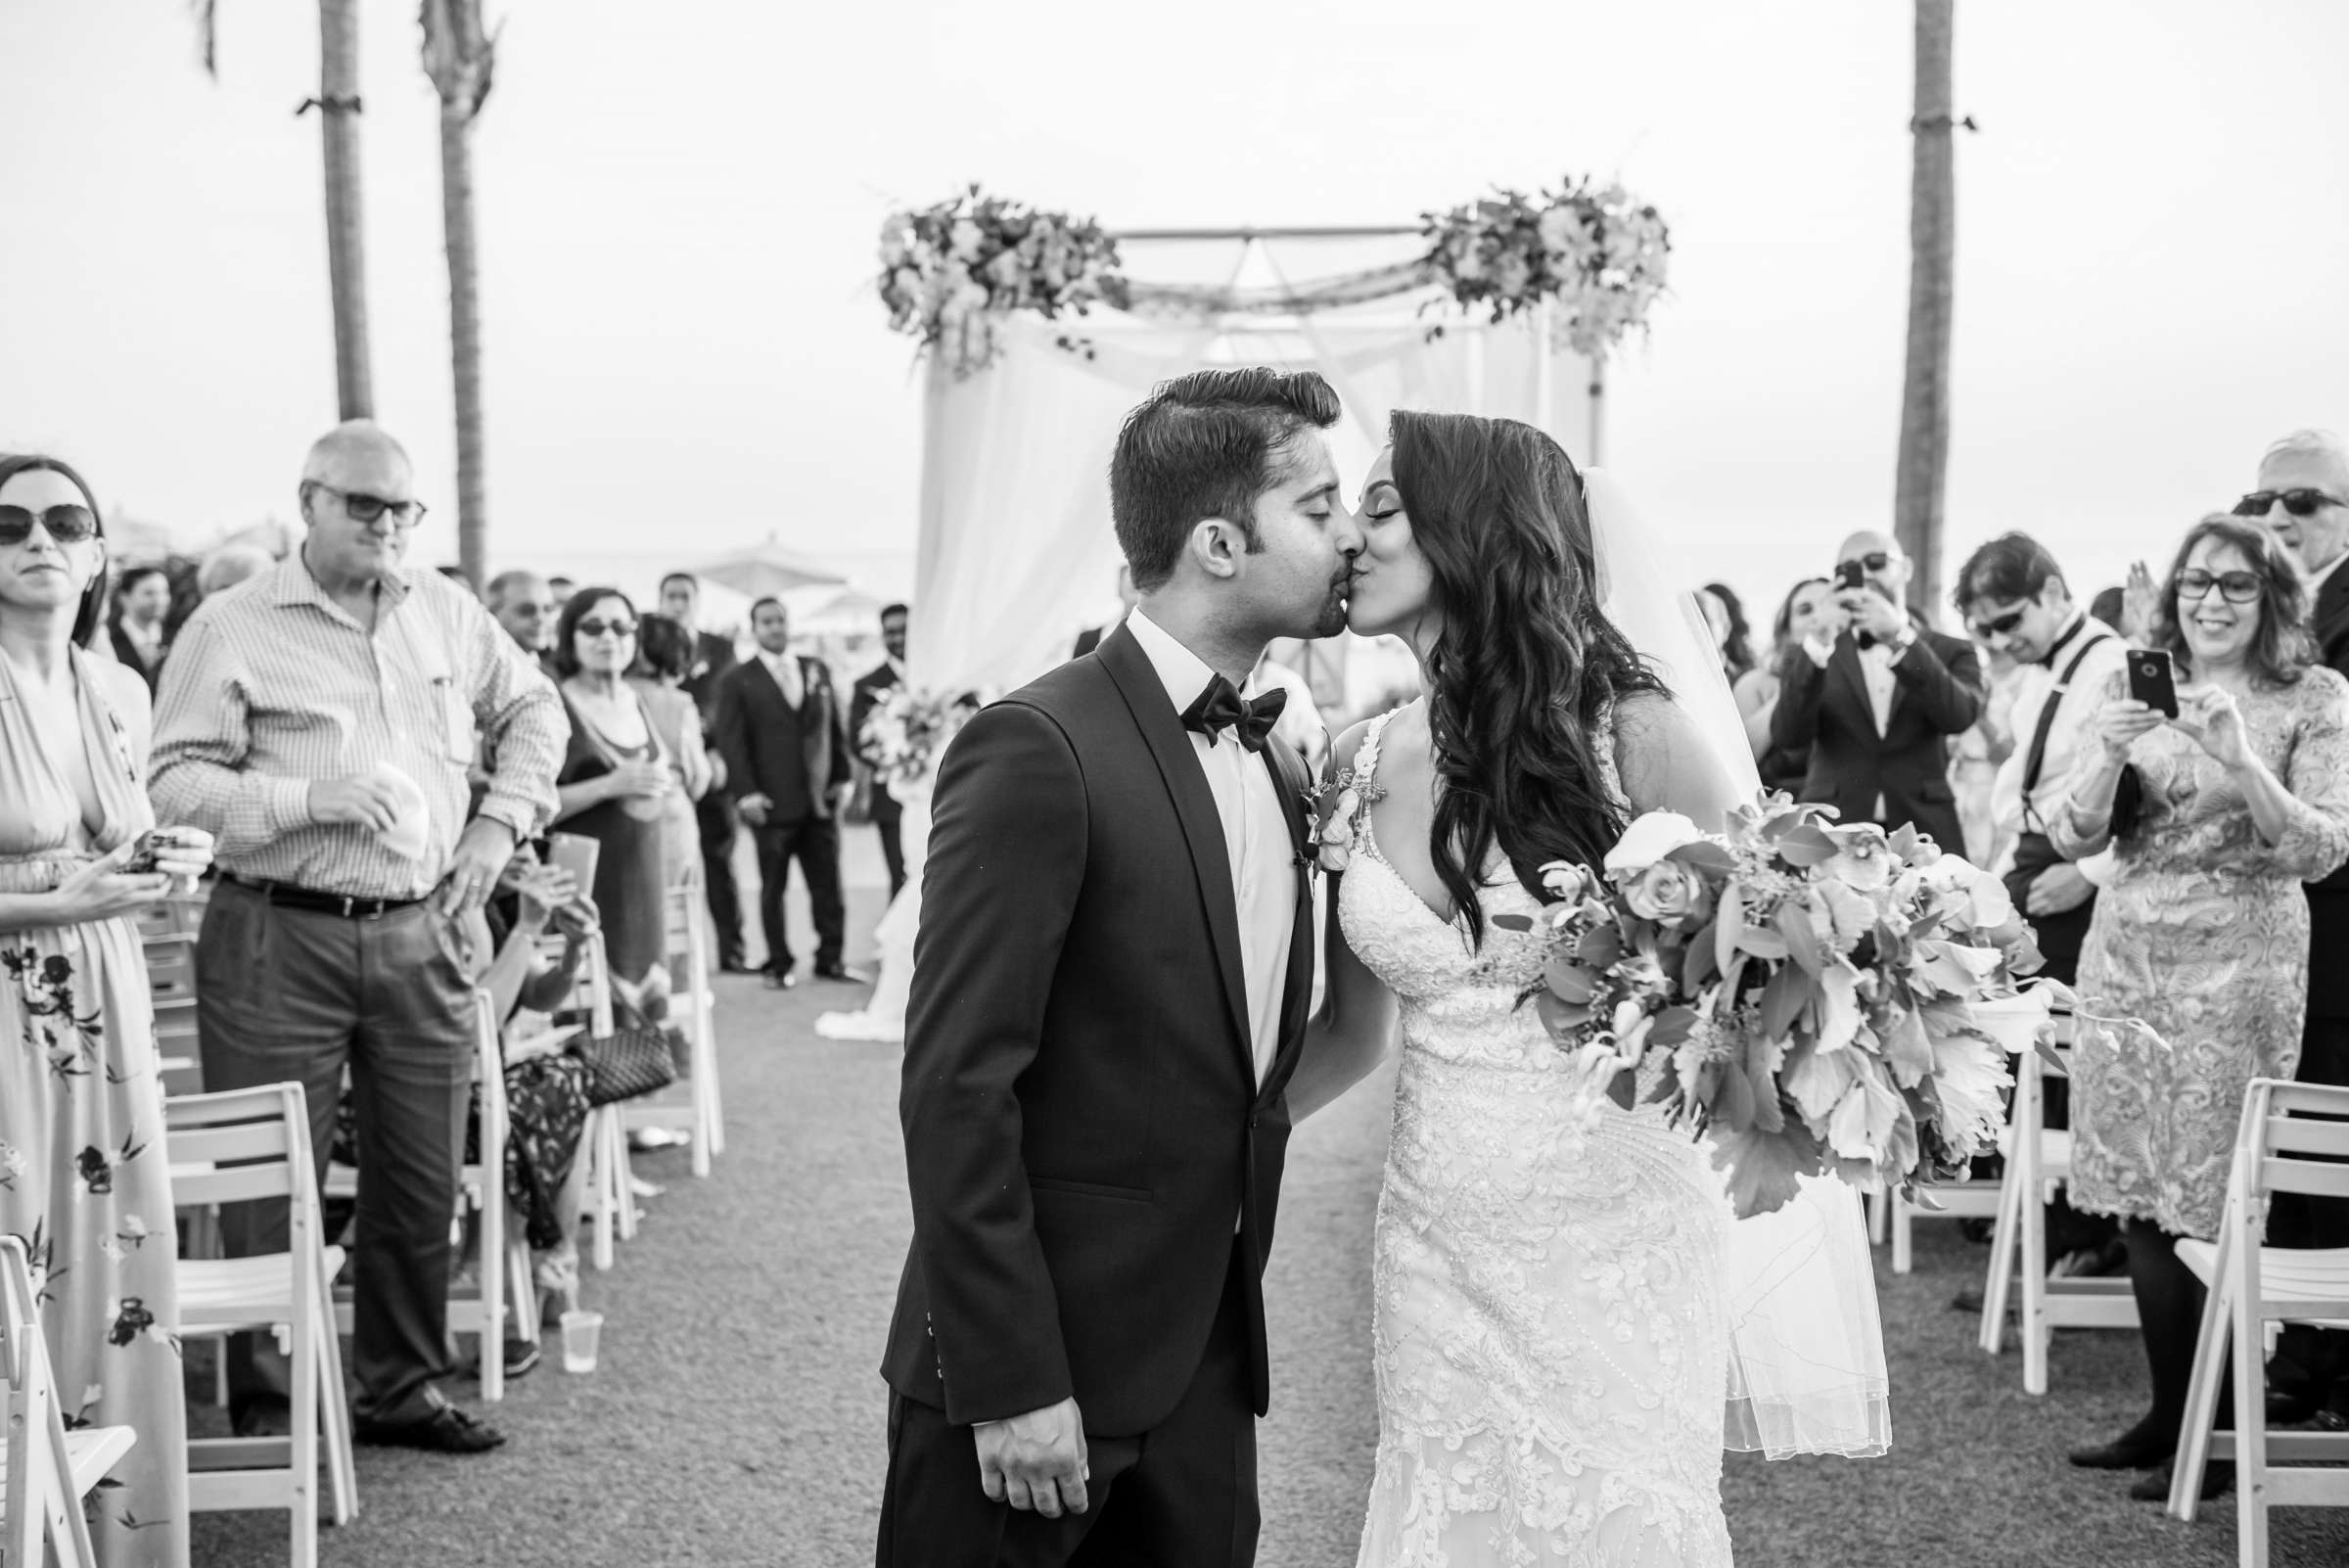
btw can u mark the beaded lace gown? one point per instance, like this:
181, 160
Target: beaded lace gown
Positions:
1552, 1334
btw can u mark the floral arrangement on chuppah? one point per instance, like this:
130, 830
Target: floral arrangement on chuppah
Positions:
949, 273
1600, 252
906, 733
1820, 1000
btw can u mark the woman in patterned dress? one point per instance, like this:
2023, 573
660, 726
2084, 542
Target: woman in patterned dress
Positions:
82, 1175
2202, 931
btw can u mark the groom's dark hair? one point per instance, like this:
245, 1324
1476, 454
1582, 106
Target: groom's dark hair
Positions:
1202, 446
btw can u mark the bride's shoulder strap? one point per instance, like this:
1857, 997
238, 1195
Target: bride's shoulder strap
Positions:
1366, 761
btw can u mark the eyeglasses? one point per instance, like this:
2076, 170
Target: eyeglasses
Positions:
1996, 626
2236, 587
66, 525
365, 509
617, 629
2302, 503
1873, 560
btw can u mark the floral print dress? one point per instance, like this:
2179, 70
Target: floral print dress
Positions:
83, 1181
2202, 932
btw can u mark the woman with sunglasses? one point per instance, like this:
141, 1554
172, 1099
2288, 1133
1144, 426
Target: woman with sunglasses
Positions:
2201, 929
616, 778
83, 1181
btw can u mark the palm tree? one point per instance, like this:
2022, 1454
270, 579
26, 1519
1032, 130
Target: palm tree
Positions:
1924, 456
458, 56
337, 104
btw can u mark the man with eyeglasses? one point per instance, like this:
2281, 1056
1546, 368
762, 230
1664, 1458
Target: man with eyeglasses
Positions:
319, 719
2303, 497
1877, 698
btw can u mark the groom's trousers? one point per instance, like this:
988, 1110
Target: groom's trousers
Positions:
1181, 1494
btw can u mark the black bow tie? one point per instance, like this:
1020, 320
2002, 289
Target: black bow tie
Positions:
1221, 707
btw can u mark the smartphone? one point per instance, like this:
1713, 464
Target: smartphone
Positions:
142, 856
1850, 575
575, 853
2151, 681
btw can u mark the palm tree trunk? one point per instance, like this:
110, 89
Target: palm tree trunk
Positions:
458, 59
1924, 456
346, 247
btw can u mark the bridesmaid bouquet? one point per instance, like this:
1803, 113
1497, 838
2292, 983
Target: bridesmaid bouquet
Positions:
1817, 998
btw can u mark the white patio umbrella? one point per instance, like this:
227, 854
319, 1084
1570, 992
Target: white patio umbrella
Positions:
766, 569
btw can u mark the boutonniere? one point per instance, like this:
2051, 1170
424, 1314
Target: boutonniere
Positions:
1334, 817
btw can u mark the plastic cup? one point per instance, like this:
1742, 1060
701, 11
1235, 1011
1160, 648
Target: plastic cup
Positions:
581, 1331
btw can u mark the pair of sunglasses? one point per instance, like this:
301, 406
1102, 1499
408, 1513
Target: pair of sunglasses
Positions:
2302, 502
66, 525
365, 509
1873, 560
619, 628
1996, 626
2236, 587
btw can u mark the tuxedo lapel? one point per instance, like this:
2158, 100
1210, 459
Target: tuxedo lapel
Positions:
1289, 782
1170, 749
1844, 665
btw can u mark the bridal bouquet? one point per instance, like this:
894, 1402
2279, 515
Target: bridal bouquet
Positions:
907, 731
1819, 998
950, 272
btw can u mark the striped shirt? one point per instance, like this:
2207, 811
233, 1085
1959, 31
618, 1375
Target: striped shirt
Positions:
272, 686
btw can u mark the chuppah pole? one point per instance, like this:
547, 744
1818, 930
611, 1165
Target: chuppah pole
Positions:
1599, 411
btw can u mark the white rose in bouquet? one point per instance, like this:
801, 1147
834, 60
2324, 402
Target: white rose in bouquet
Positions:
1648, 841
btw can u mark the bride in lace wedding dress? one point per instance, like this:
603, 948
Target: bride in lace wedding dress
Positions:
1556, 1286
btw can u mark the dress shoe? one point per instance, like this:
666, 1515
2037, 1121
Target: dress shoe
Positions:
2286, 1408
522, 1359
2127, 1452
733, 966
2218, 1479
844, 974
448, 1430
263, 1417
781, 980
1967, 1300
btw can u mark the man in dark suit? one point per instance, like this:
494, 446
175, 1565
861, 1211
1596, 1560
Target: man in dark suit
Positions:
1107, 1009
1876, 701
713, 812
2303, 497
785, 742
874, 685
140, 625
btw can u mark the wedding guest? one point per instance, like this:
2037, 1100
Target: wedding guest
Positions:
713, 812
524, 606
2015, 602
1724, 613
2201, 929
562, 589
786, 746
83, 1181
1091, 637
1875, 697
321, 718
230, 565
872, 689
2109, 609
136, 628
615, 781
1976, 755
663, 655
458, 575
2303, 499
1802, 614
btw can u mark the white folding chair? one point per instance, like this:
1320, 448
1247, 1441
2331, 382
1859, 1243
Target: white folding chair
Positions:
604, 1145
2038, 1160
172, 983
2253, 1286
246, 1145
702, 1114
47, 1469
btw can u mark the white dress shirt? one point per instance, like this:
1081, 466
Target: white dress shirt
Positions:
2068, 738
1255, 838
785, 667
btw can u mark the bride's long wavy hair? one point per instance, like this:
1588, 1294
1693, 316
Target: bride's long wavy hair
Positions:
1527, 662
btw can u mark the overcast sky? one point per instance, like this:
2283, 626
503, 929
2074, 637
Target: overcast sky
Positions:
679, 207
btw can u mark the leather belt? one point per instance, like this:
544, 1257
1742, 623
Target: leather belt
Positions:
287, 896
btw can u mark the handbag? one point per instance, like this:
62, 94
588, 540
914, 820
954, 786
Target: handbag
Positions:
634, 1059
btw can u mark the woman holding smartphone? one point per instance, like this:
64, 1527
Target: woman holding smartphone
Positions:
2215, 816
83, 1181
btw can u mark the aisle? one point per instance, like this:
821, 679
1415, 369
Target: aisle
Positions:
737, 1417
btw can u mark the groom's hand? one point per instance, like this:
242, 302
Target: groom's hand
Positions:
1036, 1460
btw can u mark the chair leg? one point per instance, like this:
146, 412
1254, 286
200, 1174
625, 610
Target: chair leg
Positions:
522, 1285
624, 1196
489, 1267
705, 1092
1903, 1254
2250, 1424
1878, 1212
1997, 1281
2031, 1222
334, 1402
596, 1150
309, 1326
2202, 1386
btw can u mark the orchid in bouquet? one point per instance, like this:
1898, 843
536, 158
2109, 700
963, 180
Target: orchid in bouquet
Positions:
1598, 251
1818, 998
949, 273
906, 732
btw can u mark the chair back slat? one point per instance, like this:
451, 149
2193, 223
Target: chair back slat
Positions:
2304, 1175
248, 1141
225, 1107
196, 1186
2300, 1134
205, 1128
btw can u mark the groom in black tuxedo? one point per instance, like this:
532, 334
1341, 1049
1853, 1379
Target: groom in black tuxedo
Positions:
1109, 999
